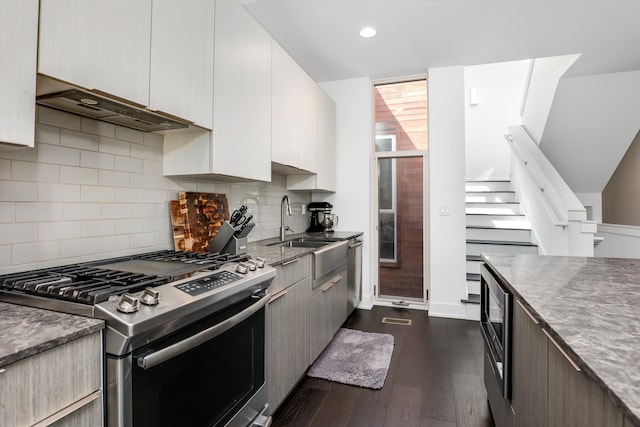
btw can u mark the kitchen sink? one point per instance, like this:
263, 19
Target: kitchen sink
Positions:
299, 244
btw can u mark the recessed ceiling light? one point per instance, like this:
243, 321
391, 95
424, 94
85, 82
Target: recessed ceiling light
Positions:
367, 32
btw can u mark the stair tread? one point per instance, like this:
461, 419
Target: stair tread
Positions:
473, 277
501, 214
471, 299
474, 258
488, 191
493, 227
500, 242
492, 203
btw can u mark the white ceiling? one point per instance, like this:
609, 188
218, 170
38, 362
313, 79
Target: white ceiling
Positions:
414, 35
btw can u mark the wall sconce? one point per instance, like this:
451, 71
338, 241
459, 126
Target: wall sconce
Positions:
473, 96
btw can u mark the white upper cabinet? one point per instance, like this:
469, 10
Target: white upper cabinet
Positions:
181, 76
101, 45
324, 149
18, 49
307, 123
285, 75
242, 95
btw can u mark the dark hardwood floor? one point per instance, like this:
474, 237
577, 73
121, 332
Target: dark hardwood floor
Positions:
434, 380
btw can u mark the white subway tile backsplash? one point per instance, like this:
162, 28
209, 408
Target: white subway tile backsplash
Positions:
58, 155
36, 172
81, 140
78, 247
98, 128
58, 118
16, 191
91, 159
90, 190
129, 195
130, 135
35, 252
113, 243
115, 211
7, 212
80, 211
115, 146
103, 227
113, 178
48, 192
18, 233
97, 194
47, 134
127, 164
152, 167
38, 212
129, 226
5, 169
76, 175
142, 240
63, 230
147, 152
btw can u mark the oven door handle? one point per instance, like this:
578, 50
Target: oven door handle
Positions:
161, 356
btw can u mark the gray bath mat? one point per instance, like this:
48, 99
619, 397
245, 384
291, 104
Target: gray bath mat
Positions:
355, 358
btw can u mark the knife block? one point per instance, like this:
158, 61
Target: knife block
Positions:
236, 246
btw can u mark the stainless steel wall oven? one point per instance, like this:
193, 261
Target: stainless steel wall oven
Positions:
496, 308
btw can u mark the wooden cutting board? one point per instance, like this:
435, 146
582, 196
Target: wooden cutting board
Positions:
196, 218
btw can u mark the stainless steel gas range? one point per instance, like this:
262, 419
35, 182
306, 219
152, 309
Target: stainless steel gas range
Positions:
184, 337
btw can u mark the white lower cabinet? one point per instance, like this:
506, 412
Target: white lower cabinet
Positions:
60, 387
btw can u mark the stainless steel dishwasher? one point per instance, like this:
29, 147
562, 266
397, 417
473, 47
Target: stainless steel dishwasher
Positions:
354, 274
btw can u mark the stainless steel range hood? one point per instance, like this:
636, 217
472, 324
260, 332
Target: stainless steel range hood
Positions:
101, 108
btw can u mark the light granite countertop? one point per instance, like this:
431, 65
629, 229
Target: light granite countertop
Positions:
276, 255
25, 331
591, 306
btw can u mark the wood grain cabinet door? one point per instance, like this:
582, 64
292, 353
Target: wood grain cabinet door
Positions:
529, 379
574, 399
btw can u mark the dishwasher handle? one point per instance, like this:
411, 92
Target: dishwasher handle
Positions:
357, 244
150, 360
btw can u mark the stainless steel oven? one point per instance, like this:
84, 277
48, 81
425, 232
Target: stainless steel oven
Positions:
184, 335
496, 304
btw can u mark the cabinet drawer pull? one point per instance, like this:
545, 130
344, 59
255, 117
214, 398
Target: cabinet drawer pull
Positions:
564, 353
332, 283
290, 261
68, 410
2, 370
533, 319
278, 295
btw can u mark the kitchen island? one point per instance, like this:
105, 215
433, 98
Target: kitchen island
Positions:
589, 309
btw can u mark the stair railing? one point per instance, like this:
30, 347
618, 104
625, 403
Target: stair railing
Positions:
558, 219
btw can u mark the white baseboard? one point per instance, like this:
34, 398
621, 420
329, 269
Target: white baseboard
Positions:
451, 311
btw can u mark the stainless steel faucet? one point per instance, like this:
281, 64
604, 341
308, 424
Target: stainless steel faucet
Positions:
284, 202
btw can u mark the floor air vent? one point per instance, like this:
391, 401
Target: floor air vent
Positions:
396, 321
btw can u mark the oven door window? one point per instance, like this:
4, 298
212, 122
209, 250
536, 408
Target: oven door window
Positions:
204, 386
496, 311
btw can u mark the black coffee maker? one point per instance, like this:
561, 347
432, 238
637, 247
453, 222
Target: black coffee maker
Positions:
316, 208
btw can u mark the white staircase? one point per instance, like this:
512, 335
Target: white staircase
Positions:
495, 224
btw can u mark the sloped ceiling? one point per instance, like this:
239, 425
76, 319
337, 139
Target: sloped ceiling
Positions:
592, 122
414, 35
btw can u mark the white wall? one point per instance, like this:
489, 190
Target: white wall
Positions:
500, 88
352, 200
446, 183
90, 190
593, 202
591, 124
541, 90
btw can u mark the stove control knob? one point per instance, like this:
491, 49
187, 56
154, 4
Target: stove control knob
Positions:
242, 268
128, 304
150, 297
260, 262
252, 265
